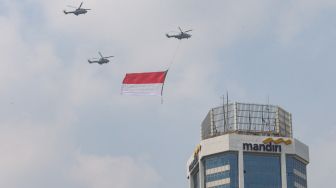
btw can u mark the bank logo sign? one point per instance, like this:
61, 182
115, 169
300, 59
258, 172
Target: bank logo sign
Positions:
277, 141
195, 160
268, 145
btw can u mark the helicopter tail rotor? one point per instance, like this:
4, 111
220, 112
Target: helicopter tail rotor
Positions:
65, 12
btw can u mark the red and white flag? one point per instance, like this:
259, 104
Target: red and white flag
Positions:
147, 83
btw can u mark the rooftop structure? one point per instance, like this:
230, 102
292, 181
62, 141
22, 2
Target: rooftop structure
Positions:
247, 145
249, 119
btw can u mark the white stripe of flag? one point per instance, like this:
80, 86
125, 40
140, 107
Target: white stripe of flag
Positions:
148, 83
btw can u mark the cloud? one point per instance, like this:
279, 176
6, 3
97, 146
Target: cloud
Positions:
297, 17
117, 172
49, 93
43, 156
322, 160
30, 152
40, 97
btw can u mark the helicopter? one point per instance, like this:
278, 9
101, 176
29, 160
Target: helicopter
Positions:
78, 10
180, 36
101, 60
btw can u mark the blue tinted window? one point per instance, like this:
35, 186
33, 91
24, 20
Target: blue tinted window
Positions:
296, 172
228, 159
262, 171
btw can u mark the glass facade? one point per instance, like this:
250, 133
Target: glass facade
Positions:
262, 170
296, 172
221, 170
195, 178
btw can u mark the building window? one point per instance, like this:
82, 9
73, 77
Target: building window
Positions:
262, 170
296, 172
221, 170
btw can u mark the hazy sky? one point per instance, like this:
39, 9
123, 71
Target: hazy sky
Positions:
63, 122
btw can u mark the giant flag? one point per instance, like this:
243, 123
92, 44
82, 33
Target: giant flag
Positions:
147, 83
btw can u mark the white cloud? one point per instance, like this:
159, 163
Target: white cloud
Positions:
29, 150
297, 16
42, 91
40, 97
322, 167
43, 155
117, 172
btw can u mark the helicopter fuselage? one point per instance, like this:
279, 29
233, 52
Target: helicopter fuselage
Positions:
103, 60
100, 61
80, 11
180, 36
77, 12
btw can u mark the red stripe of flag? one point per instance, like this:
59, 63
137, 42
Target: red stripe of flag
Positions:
145, 78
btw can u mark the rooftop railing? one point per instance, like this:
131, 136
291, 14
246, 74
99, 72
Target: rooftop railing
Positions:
244, 118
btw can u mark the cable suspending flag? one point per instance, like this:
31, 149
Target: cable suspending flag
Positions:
147, 83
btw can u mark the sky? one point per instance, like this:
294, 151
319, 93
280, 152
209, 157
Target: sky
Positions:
63, 122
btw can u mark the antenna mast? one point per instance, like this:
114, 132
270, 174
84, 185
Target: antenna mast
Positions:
268, 118
225, 125
227, 108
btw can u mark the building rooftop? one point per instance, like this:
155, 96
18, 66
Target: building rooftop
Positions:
249, 119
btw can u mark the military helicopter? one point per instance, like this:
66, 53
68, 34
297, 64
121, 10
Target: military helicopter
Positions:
180, 36
78, 10
101, 60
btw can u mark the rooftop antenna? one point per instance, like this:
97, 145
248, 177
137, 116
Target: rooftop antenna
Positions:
255, 125
250, 125
268, 118
223, 99
262, 118
227, 109
225, 125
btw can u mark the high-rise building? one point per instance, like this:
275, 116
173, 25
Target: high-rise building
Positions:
248, 146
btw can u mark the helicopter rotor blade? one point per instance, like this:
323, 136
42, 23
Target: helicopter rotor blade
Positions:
71, 6
109, 57
188, 31
100, 54
180, 29
80, 5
